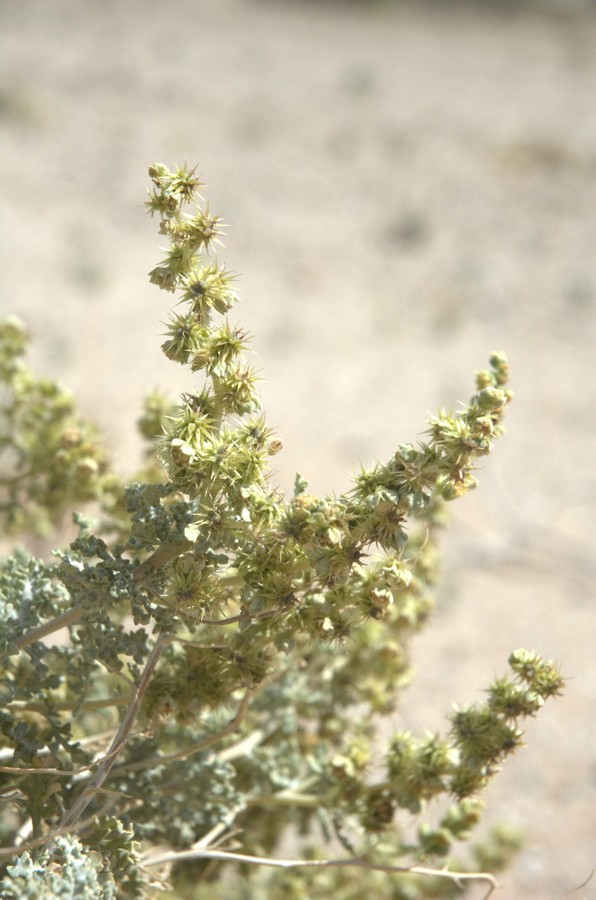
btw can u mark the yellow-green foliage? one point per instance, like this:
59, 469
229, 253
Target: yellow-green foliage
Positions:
230, 651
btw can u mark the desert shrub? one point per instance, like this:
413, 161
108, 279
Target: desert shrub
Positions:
201, 675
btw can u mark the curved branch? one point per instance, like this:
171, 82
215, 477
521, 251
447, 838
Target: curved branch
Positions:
65, 705
203, 744
354, 862
122, 736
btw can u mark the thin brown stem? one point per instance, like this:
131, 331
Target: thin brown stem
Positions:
245, 859
203, 744
122, 736
70, 617
64, 705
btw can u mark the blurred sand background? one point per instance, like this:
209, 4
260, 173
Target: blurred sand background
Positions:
408, 187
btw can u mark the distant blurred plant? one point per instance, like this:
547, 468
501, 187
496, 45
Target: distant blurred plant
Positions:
204, 670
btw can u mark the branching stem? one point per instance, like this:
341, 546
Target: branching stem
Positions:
225, 856
65, 705
122, 736
203, 744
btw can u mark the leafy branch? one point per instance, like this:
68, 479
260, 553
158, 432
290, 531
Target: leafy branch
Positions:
237, 648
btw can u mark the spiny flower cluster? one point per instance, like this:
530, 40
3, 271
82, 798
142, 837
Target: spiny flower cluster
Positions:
302, 562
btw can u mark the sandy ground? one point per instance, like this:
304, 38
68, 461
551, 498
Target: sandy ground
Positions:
408, 187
